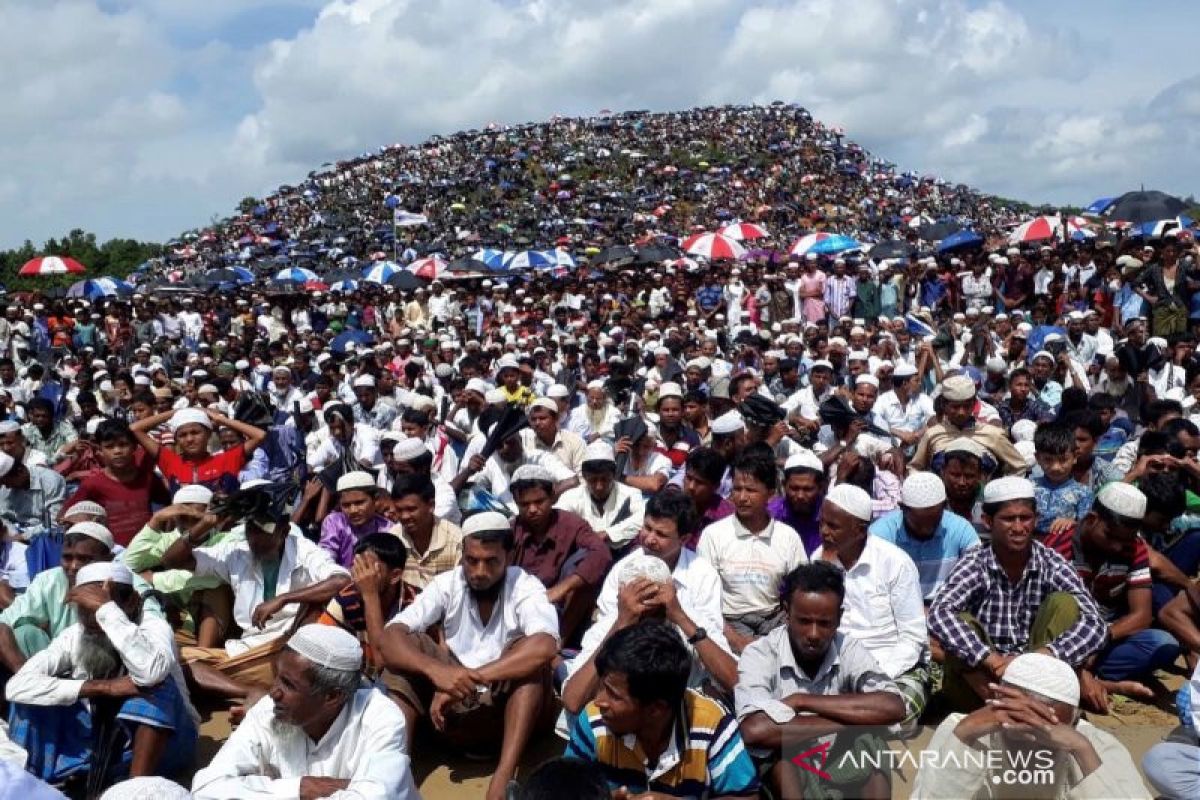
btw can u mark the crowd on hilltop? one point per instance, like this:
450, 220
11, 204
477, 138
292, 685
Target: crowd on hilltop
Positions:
695, 515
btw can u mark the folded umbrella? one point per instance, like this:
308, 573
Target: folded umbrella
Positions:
837, 413
513, 421
632, 427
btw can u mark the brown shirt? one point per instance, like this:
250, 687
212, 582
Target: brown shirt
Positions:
570, 547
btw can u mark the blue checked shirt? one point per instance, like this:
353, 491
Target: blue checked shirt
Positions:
709, 296
978, 585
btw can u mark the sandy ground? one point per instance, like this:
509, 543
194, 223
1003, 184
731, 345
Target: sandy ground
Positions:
451, 776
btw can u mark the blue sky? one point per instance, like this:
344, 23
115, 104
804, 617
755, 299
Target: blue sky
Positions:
149, 117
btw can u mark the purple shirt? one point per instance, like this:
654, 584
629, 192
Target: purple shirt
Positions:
809, 528
718, 510
338, 537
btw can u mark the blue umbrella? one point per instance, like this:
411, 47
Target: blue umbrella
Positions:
381, 272
835, 244
359, 337
295, 275
392, 201
493, 258
530, 259
99, 287
1099, 205
345, 287
963, 240
1159, 228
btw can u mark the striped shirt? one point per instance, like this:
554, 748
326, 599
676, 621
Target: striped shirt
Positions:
750, 563
839, 294
704, 758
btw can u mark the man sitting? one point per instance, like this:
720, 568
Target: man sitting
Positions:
932, 536
805, 681
883, 595
355, 517
1013, 596
115, 664
319, 733
434, 544
1033, 715
799, 505
545, 436
612, 509
31, 496
489, 679
490, 478
653, 736
958, 420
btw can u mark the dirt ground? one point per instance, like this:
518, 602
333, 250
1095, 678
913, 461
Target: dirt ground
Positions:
450, 776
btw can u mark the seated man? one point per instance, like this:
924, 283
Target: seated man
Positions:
434, 544
650, 733
489, 678
1111, 559
930, 534
883, 595
32, 496
107, 692
408, 455
354, 517
558, 548
799, 505
273, 572
806, 682
704, 474
964, 467
958, 421
490, 478
1014, 596
612, 509
319, 733
751, 552
660, 579
545, 436
1032, 719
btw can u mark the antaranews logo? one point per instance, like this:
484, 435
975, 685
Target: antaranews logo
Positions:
808, 759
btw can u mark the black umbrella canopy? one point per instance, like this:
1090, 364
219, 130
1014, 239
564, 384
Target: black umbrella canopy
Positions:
406, 281
938, 230
1142, 206
615, 254
654, 253
467, 264
892, 249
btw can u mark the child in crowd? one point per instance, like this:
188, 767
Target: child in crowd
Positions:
1061, 500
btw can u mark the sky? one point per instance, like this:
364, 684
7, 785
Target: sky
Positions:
145, 118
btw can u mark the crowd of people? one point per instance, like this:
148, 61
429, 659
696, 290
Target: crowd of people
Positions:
698, 518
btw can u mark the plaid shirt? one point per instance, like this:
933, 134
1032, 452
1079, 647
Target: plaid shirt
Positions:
978, 585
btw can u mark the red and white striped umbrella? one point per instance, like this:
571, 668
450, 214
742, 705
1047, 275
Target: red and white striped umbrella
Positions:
1041, 228
430, 268
713, 246
50, 265
744, 231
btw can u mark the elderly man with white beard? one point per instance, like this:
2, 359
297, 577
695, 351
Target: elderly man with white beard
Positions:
320, 732
108, 692
596, 418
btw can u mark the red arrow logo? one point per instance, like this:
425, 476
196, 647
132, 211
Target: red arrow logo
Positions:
807, 759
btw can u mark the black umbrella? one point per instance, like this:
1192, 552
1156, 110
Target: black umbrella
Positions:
938, 230
467, 264
892, 249
509, 425
655, 253
616, 254
406, 281
1141, 206
632, 427
837, 413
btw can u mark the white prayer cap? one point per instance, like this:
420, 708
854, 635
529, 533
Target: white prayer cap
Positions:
904, 370
821, 363
865, 378
598, 383
1124, 499
364, 381
485, 521
669, 389
193, 493
305, 406
355, 480
727, 423
146, 787
9, 426
532, 472
661, 351
506, 362
408, 448
546, 403
189, 416
858, 355
851, 499
1008, 488
477, 385
922, 490
1044, 675
803, 459
85, 508
599, 451
964, 445
558, 391
958, 387
495, 396
328, 646
641, 564
93, 530
101, 571
1028, 451
1023, 430
6, 464
996, 364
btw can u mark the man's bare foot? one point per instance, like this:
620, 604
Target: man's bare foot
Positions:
1135, 689
238, 712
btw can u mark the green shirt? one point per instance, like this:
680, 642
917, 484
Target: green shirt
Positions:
146, 552
270, 571
44, 604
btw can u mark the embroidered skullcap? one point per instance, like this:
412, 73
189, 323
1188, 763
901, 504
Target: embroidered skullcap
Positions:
1044, 675
1023, 430
958, 387
329, 646
1124, 499
669, 389
1008, 488
965, 445
408, 448
101, 571
851, 499
598, 383
558, 392
599, 451
821, 363
532, 472
546, 403
803, 459
478, 385
727, 423
9, 426
922, 490
904, 370
85, 508
642, 565
485, 522
189, 416
1041, 354
364, 380
864, 378
93, 530
355, 480
996, 364
146, 787
193, 493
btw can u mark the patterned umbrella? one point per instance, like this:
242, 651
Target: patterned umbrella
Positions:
382, 272
744, 231
99, 287
713, 246
295, 275
430, 268
50, 265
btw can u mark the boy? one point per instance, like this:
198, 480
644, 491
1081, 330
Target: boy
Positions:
1061, 500
1091, 471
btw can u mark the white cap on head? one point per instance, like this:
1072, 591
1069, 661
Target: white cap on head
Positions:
544, 403
964, 445
6, 464
957, 388
1124, 499
851, 499
193, 493
146, 787
727, 423
85, 508
9, 426
189, 416
102, 571
478, 385
670, 389
1008, 488
599, 451
408, 449
1044, 675
367, 381
485, 521
869, 379
558, 391
922, 490
93, 530
641, 564
495, 396
532, 472
803, 459
358, 479
328, 646
996, 364
1023, 430
904, 370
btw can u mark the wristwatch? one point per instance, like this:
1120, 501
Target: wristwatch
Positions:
699, 636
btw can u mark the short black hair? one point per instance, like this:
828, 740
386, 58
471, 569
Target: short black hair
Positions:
598, 466
1086, 420
1153, 443
1158, 409
670, 503
1054, 439
1165, 494
654, 660
523, 485
707, 464
414, 483
1019, 372
1180, 425
1102, 401
415, 417
815, 576
112, 430
694, 396
566, 777
760, 469
991, 509
40, 404
387, 548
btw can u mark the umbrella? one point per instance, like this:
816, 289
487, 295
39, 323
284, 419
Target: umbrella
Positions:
430, 268
492, 259
405, 281
529, 259
99, 287
1099, 205
236, 275
807, 242
713, 246
656, 253
614, 254
467, 264
509, 425
316, 286
632, 427
938, 230
835, 244
1139, 207
359, 337
344, 286
1159, 228
381, 272
295, 275
963, 240
50, 265
892, 248
744, 231
563, 259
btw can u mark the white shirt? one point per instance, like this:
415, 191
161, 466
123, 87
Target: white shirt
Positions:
522, 610
579, 422
806, 403
750, 564
302, 564
618, 519
365, 444
366, 745
883, 607
496, 475
910, 416
54, 676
